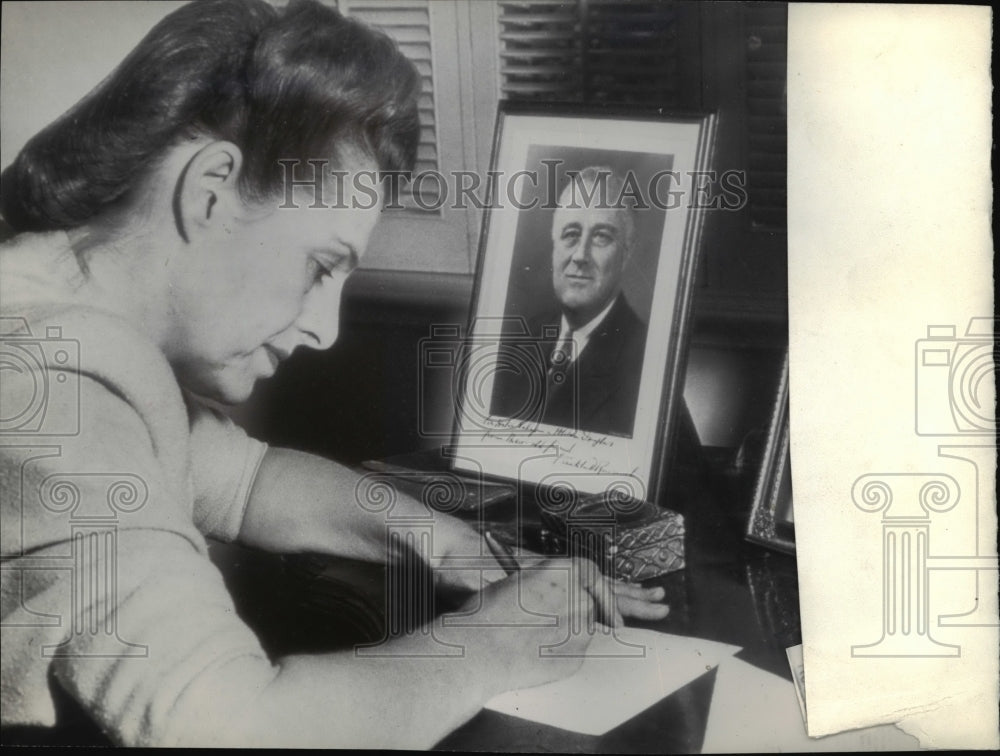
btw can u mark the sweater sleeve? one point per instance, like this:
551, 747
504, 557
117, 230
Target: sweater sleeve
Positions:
163, 659
148, 639
224, 463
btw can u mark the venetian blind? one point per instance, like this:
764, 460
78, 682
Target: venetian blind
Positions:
408, 23
590, 51
766, 26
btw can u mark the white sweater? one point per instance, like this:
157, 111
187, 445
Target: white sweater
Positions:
109, 482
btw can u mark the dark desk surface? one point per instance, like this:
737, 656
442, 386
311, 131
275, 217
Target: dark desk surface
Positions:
730, 591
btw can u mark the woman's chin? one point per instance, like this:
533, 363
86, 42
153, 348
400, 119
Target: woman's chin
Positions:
231, 385
239, 390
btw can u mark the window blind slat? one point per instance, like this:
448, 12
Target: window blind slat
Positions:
777, 54
562, 55
771, 124
527, 37
571, 92
768, 90
404, 35
532, 70
767, 70
407, 22
771, 216
768, 34
624, 53
514, 6
765, 108
415, 51
770, 14
765, 144
766, 66
589, 51
427, 152
770, 180
521, 19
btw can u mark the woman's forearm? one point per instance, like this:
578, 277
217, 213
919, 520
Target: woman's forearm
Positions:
405, 693
301, 502
343, 700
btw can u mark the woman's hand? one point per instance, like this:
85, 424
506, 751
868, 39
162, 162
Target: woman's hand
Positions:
640, 603
457, 547
617, 599
528, 628
461, 560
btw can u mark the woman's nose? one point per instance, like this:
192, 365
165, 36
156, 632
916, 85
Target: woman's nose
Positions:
319, 322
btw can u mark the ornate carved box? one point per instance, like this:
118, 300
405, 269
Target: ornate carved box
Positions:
630, 539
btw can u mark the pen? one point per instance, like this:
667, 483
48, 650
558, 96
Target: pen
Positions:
505, 558
500, 552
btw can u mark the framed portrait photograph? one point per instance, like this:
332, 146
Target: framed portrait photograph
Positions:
772, 520
574, 358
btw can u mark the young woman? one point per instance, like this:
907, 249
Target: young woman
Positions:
164, 255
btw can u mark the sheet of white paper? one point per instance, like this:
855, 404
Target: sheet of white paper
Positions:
889, 198
753, 711
611, 688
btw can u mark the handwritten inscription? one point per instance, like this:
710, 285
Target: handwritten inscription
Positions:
570, 448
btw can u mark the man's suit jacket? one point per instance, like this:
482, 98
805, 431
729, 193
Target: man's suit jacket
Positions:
600, 390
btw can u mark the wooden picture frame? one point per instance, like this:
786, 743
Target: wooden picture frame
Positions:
771, 521
593, 412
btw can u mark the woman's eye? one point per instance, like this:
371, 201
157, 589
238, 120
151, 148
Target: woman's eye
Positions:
319, 271
329, 266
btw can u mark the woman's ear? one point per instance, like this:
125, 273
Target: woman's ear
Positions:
206, 191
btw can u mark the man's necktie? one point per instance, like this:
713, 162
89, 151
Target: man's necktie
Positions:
559, 361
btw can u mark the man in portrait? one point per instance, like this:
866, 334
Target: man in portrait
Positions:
580, 364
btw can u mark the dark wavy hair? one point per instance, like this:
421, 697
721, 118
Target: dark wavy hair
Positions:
298, 83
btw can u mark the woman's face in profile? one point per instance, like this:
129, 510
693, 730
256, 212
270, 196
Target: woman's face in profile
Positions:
260, 286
